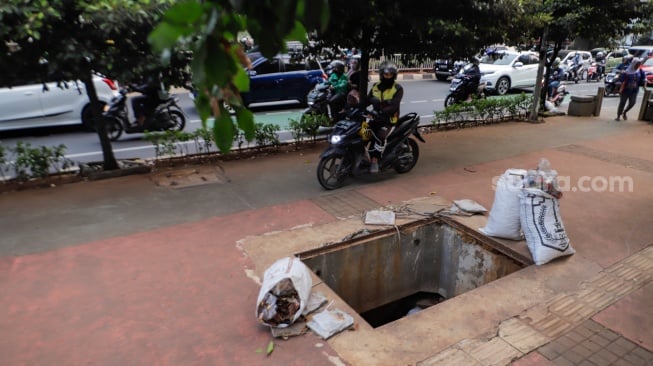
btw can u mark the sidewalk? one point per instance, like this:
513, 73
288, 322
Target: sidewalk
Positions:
125, 272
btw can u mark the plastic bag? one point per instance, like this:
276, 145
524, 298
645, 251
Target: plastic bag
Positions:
543, 178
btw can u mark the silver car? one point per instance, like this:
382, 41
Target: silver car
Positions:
35, 105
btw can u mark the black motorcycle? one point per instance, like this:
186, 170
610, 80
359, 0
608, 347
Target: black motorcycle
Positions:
460, 84
167, 115
318, 105
612, 83
348, 154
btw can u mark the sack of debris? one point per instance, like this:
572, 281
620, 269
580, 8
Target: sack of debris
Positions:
542, 225
504, 221
284, 293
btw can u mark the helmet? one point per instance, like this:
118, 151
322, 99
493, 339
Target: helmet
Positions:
338, 66
599, 54
556, 62
628, 58
388, 68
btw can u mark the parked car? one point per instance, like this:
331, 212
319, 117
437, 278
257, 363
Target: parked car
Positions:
647, 67
281, 78
35, 104
509, 69
443, 68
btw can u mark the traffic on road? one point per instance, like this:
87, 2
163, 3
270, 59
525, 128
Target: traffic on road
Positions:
422, 96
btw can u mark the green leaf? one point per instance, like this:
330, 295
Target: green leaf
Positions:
216, 63
270, 348
223, 130
187, 12
241, 80
298, 32
245, 122
165, 35
203, 105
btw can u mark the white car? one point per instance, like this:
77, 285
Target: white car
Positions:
505, 70
33, 105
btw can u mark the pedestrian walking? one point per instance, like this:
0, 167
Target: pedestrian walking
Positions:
631, 80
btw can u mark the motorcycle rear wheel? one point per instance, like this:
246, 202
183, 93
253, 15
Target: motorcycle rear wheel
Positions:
178, 120
332, 171
407, 157
113, 127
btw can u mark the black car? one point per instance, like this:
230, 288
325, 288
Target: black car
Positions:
445, 68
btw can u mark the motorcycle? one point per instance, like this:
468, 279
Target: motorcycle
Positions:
348, 155
593, 72
559, 94
612, 83
575, 73
458, 90
318, 105
167, 115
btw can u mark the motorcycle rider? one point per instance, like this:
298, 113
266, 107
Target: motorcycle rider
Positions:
576, 63
600, 64
353, 75
147, 101
554, 78
385, 97
339, 84
472, 76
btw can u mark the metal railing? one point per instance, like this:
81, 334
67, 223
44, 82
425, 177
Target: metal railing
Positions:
404, 63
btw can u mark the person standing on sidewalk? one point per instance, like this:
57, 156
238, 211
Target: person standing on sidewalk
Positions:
631, 80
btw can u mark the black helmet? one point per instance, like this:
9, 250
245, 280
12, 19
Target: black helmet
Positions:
338, 66
388, 68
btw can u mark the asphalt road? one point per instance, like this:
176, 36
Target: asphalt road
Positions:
421, 96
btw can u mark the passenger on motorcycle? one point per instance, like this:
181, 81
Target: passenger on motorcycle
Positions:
353, 75
339, 83
554, 78
148, 100
385, 97
625, 62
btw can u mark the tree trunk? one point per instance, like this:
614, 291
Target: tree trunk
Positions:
109, 160
537, 93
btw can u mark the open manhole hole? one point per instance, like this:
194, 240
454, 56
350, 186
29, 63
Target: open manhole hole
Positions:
387, 276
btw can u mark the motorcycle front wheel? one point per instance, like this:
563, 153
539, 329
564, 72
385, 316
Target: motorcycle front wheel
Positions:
407, 157
113, 127
449, 100
332, 171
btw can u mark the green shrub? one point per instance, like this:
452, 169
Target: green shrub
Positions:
488, 110
34, 162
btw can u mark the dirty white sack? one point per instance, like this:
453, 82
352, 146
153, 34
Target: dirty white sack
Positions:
540, 219
329, 322
286, 268
504, 221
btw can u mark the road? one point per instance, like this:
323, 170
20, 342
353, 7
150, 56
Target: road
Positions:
421, 96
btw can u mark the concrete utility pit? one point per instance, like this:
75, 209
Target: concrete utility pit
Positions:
385, 275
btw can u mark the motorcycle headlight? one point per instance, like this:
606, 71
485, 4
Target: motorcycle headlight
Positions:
335, 139
106, 108
310, 102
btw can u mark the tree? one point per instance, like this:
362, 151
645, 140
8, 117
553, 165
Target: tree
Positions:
420, 29
554, 22
211, 29
70, 39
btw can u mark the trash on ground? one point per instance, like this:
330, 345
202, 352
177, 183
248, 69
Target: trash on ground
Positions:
296, 329
315, 301
330, 322
379, 217
464, 207
503, 220
284, 293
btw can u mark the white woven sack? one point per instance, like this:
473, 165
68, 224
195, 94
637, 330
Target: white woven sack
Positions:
504, 221
542, 225
295, 270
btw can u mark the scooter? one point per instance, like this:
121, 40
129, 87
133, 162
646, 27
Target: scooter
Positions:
348, 152
167, 115
318, 105
458, 90
612, 83
593, 73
